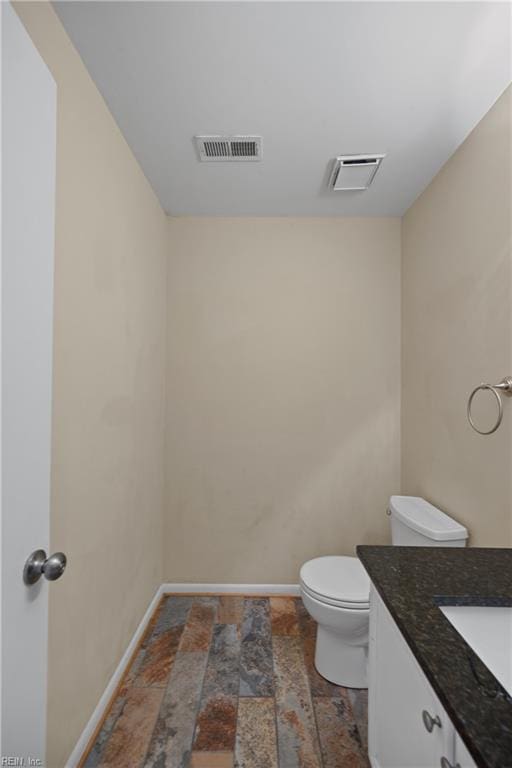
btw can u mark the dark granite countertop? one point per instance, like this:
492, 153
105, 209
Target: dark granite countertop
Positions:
413, 582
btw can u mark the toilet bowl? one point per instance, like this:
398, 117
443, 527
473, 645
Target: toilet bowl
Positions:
335, 589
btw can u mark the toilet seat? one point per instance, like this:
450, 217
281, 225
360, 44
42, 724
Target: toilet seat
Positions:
337, 580
335, 603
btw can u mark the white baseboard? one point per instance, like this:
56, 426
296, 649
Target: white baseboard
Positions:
291, 590
114, 681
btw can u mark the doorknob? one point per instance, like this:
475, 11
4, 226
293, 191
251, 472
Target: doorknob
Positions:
39, 565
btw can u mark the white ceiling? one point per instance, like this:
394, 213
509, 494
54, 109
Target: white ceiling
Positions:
315, 79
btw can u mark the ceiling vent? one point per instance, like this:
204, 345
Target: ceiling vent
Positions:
229, 149
354, 172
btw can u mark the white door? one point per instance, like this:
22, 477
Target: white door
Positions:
28, 216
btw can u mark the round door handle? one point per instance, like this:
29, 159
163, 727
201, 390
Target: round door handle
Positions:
54, 566
430, 722
38, 565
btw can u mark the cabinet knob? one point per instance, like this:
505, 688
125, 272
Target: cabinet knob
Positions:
430, 722
445, 763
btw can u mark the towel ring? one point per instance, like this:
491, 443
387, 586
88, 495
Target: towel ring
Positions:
505, 386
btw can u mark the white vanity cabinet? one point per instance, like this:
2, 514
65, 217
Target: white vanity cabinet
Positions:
407, 726
462, 757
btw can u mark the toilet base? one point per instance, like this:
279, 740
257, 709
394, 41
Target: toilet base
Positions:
340, 663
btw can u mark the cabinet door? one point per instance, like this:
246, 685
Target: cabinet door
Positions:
408, 728
462, 757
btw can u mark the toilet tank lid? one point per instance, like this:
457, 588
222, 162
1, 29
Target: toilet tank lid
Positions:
421, 516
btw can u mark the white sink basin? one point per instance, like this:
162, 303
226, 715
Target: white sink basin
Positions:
488, 630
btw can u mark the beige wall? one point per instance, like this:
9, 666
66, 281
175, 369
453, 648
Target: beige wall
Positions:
457, 332
108, 441
283, 393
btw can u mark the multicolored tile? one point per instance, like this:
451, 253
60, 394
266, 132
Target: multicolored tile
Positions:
171, 742
198, 629
131, 735
94, 757
339, 737
216, 720
359, 701
297, 737
134, 669
230, 610
256, 673
159, 658
284, 616
222, 672
210, 600
216, 724
211, 760
256, 741
173, 613
230, 682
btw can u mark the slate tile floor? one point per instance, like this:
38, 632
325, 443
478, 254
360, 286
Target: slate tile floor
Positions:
229, 682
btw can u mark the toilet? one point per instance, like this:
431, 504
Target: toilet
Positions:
335, 589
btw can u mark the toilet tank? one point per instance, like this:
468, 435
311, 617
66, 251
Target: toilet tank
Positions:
416, 523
